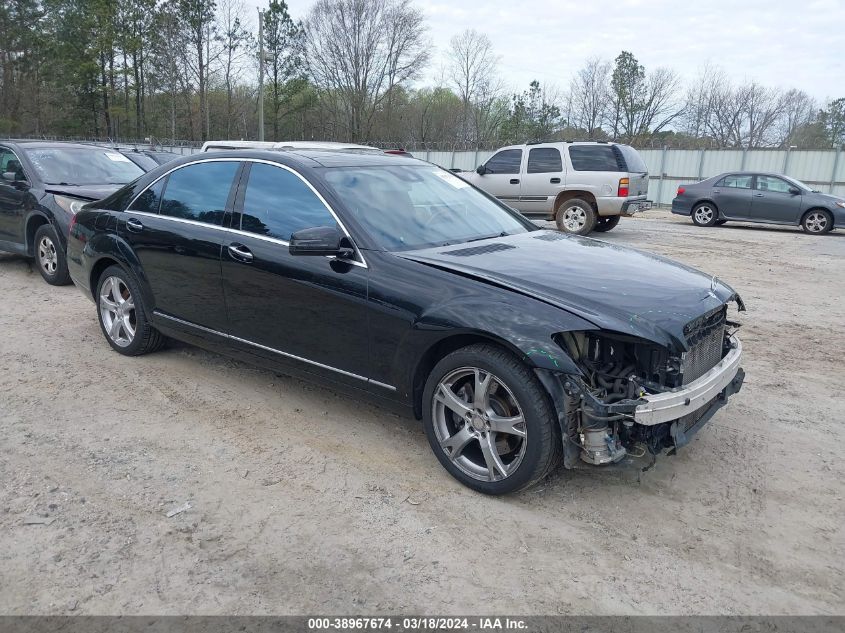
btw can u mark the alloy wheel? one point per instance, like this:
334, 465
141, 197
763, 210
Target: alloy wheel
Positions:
703, 214
117, 310
574, 218
816, 222
48, 258
479, 424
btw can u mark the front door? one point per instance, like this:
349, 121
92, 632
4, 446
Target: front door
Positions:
732, 195
502, 176
13, 195
774, 202
177, 229
310, 310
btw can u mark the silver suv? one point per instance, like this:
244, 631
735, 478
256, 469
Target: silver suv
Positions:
582, 186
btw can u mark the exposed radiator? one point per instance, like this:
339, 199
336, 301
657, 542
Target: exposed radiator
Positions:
705, 336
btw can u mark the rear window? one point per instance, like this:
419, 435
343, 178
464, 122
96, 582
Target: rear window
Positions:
596, 158
632, 158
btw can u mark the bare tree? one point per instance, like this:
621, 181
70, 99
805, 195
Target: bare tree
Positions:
798, 110
589, 92
472, 72
358, 50
235, 41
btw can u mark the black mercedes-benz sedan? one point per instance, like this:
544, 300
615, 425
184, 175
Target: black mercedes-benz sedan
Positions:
392, 278
42, 185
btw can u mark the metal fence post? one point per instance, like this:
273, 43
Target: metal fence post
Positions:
701, 164
835, 169
662, 173
744, 154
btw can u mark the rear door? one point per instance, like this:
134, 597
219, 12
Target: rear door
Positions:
177, 228
773, 201
732, 195
502, 177
542, 180
308, 309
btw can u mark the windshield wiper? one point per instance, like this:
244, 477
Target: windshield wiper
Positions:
63, 184
486, 237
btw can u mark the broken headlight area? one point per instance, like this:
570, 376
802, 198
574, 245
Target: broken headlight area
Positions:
620, 373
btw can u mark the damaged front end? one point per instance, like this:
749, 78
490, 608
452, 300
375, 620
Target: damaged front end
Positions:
635, 399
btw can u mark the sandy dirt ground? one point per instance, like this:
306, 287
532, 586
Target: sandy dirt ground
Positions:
305, 501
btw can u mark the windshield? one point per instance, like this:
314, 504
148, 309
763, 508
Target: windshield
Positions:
406, 207
800, 184
82, 166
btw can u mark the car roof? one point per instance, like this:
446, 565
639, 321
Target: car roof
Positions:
556, 143
308, 158
287, 145
49, 144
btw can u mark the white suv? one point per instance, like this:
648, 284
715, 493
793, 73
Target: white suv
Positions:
582, 186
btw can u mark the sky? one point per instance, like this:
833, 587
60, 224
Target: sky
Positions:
778, 43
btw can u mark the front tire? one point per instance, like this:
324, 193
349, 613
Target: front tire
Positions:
122, 315
489, 421
608, 223
50, 257
705, 214
576, 216
817, 221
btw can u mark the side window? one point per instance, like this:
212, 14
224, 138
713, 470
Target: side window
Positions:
737, 182
199, 192
594, 158
505, 162
9, 163
770, 183
150, 200
277, 203
542, 160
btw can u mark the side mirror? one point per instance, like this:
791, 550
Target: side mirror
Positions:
481, 170
10, 176
794, 191
324, 241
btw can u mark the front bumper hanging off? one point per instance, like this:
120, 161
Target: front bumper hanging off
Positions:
685, 409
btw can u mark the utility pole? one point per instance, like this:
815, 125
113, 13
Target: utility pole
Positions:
260, 75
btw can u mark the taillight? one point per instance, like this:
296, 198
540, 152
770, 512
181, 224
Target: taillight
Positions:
681, 191
623, 188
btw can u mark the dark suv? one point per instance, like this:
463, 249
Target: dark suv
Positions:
42, 186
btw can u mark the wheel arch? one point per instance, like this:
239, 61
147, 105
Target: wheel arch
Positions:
816, 208
582, 194
33, 223
706, 201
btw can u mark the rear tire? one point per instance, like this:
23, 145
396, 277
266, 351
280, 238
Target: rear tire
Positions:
704, 214
504, 440
817, 221
576, 216
49, 256
123, 316
608, 223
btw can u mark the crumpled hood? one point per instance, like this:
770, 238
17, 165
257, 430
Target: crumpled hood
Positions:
87, 192
614, 287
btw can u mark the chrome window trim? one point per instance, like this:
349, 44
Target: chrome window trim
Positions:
362, 263
275, 351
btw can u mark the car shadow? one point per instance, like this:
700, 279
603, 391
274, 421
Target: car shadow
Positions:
768, 228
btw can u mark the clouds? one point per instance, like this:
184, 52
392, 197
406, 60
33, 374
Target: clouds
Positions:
775, 42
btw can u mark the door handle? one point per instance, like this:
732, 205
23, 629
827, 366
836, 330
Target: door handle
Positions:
134, 225
554, 181
514, 181
240, 253
759, 195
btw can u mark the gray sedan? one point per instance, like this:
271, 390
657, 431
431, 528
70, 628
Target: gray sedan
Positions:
757, 197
